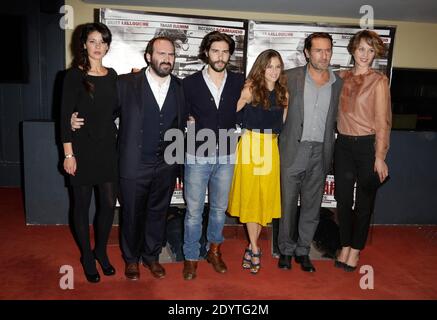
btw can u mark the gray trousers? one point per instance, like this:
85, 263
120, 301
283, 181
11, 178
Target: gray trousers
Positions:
305, 177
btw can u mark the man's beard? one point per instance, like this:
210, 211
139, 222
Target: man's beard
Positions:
217, 69
159, 71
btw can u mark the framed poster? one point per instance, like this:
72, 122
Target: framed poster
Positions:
288, 39
132, 30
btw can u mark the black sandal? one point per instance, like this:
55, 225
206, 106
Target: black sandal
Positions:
255, 267
247, 261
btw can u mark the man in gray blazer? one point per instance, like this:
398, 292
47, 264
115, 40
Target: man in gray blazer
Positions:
306, 147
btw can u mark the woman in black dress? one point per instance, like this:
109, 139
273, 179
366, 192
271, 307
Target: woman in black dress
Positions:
90, 153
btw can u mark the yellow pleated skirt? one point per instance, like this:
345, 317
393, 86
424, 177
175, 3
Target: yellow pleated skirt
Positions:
255, 194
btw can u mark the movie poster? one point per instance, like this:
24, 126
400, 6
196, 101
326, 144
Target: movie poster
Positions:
132, 30
288, 39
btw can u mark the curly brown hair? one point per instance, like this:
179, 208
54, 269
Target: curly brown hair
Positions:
256, 78
371, 38
209, 39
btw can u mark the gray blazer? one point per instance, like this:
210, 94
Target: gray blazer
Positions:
292, 131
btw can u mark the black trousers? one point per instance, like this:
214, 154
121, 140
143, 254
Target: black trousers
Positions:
145, 202
354, 161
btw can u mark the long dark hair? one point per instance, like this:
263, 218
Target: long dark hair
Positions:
82, 60
258, 84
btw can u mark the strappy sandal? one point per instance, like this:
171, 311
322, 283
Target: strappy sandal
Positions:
247, 261
255, 267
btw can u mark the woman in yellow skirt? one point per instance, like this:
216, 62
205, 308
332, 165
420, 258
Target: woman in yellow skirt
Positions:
255, 191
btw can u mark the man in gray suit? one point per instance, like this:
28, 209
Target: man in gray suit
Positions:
306, 147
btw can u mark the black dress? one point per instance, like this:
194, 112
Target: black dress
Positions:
94, 144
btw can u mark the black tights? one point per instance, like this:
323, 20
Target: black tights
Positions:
105, 203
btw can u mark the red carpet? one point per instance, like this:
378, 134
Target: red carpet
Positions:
403, 259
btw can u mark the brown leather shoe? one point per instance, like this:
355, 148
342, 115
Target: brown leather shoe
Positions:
215, 258
156, 269
190, 268
131, 271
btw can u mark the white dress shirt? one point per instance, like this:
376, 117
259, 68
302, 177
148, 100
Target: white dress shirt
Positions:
159, 90
216, 92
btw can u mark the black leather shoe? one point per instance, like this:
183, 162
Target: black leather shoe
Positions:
305, 263
284, 262
107, 268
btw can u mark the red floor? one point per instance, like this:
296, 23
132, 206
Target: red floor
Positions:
403, 258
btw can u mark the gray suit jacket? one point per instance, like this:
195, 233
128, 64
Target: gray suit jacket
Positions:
293, 127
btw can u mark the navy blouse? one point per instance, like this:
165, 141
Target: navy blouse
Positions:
259, 119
